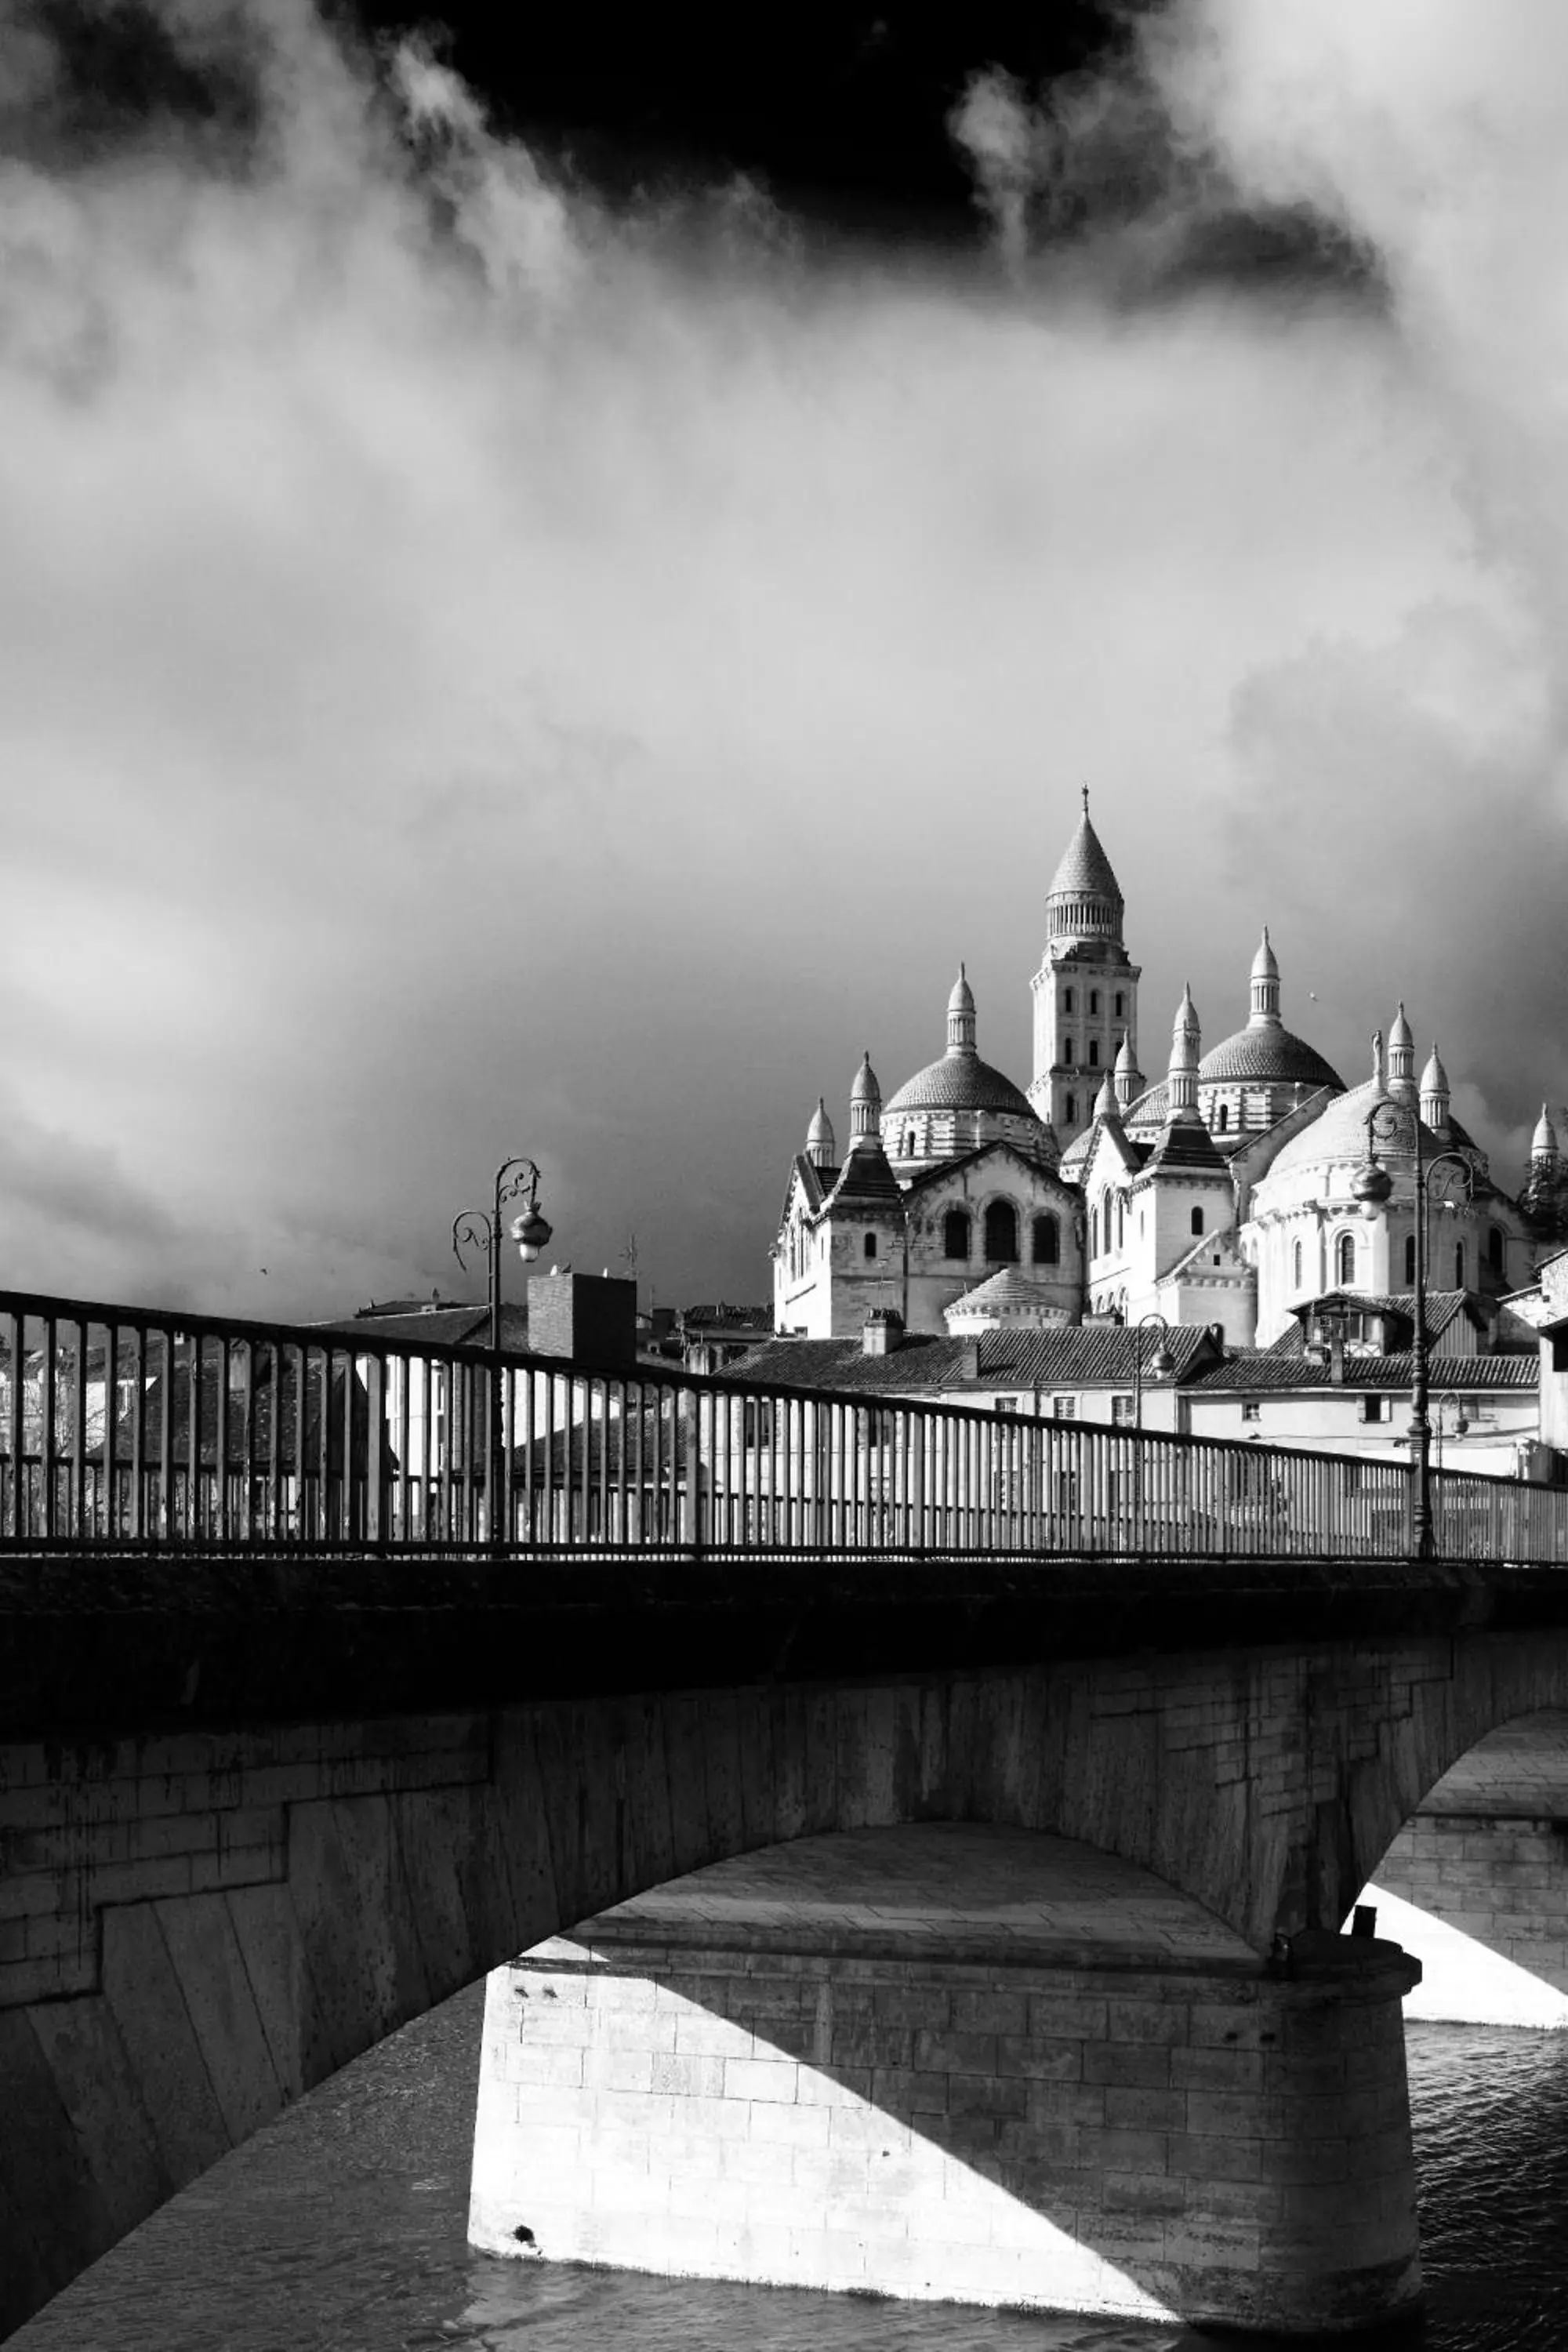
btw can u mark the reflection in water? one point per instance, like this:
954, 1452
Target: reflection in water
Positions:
342, 2226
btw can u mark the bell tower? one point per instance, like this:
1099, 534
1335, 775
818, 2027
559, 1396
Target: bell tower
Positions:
1086, 990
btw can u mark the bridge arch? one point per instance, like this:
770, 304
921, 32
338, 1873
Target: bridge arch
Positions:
199, 1926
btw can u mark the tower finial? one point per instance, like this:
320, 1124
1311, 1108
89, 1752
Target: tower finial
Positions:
1084, 789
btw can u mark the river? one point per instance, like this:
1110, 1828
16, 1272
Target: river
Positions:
340, 2228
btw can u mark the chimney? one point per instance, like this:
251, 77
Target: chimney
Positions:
883, 1333
969, 1366
1337, 1351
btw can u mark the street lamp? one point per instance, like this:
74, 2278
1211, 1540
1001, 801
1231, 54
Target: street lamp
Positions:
1455, 1428
1371, 1186
515, 1180
1162, 1363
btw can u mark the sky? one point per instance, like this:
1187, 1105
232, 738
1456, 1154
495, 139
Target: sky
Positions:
554, 592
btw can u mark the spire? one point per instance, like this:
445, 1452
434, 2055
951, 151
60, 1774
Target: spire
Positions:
1543, 1143
1182, 1086
1129, 1077
820, 1148
1084, 900
961, 1017
1105, 1101
1434, 1093
865, 1106
1264, 1012
1401, 1054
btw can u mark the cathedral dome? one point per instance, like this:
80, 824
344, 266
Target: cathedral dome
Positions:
1339, 1133
1271, 1055
961, 1082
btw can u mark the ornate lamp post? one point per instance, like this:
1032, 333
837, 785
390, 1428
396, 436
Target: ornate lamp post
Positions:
1455, 1428
1373, 1185
1162, 1363
516, 1179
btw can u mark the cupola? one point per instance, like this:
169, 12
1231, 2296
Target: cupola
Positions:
1264, 1011
961, 1017
1401, 1055
1435, 1095
1181, 1083
1129, 1077
1543, 1143
865, 1106
820, 1148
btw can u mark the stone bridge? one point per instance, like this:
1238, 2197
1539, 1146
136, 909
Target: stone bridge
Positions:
254, 1816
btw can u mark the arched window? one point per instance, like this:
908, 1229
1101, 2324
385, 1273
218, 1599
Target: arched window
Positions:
1410, 1259
1496, 1249
1048, 1242
870, 1244
909, 1143
1121, 1222
1460, 1266
955, 1234
1197, 1220
1296, 1266
1094, 1053
1094, 999
1001, 1232
1066, 1005
1119, 1004
1344, 1258
1066, 1049
1223, 1117
1072, 1108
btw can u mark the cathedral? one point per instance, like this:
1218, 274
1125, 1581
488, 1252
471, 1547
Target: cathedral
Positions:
1223, 1194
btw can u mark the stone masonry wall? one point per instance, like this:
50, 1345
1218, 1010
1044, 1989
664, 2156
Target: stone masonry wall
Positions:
1224, 2147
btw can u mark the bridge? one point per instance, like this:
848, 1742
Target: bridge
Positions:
320, 1704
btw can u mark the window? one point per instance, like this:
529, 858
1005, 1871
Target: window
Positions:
1250, 1409
955, 1235
1296, 1266
1066, 1049
1094, 999
1064, 1408
1119, 1004
909, 1143
1094, 1053
1459, 1267
1122, 1413
1120, 1223
1005, 1404
1001, 1232
1223, 1117
1375, 1408
1496, 1249
1344, 1258
1197, 1220
1072, 1108
1066, 1005
870, 1244
1410, 1260
1048, 1242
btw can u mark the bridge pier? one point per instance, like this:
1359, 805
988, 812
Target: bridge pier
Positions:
956, 2063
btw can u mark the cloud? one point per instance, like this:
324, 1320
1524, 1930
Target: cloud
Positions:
482, 669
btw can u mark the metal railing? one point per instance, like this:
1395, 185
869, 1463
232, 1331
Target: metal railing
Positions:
122, 1428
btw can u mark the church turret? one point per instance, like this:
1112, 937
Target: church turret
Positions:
1105, 1105
864, 1107
820, 1148
1086, 990
1543, 1152
1435, 1095
961, 1017
1129, 1077
1264, 1011
1401, 1054
1181, 1080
